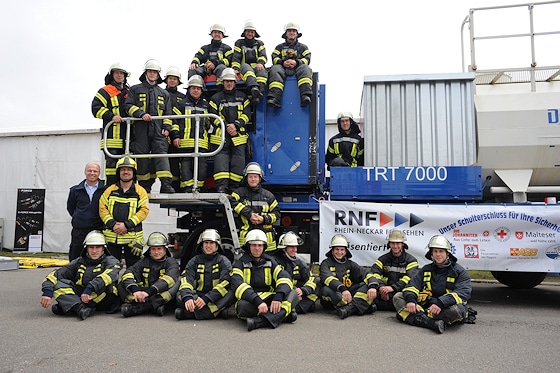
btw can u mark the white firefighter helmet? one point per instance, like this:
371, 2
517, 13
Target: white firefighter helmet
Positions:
345, 114
396, 235
152, 65
339, 240
157, 239
210, 235
95, 238
119, 66
195, 81
291, 26
439, 242
249, 25
253, 168
255, 236
173, 71
218, 27
228, 74
289, 239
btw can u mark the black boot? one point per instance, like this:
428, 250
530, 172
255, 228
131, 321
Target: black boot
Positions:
256, 323
422, 320
256, 95
183, 314
305, 100
84, 312
273, 102
345, 311
131, 309
57, 310
166, 185
292, 317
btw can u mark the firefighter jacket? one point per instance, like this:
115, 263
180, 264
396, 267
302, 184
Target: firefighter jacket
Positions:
216, 52
291, 51
175, 97
249, 51
145, 98
251, 278
207, 276
150, 275
349, 147
340, 276
92, 276
108, 102
299, 272
185, 129
395, 271
85, 213
232, 107
445, 286
130, 207
246, 200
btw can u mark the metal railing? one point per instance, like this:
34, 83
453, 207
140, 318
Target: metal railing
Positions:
195, 154
530, 73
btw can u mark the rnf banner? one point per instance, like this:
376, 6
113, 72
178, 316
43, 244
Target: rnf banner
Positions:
522, 238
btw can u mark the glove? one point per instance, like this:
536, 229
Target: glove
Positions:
136, 248
424, 296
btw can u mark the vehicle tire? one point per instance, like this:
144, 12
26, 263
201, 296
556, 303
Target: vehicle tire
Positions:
519, 280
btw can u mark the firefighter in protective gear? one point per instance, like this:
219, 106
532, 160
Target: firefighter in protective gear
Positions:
109, 105
438, 294
87, 283
213, 58
122, 208
204, 292
184, 133
347, 286
290, 58
303, 281
347, 147
149, 135
152, 282
263, 289
393, 270
249, 59
234, 108
173, 81
256, 206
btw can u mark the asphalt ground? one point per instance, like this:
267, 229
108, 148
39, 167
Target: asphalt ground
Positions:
516, 331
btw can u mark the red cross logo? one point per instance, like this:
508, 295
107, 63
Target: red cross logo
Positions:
502, 234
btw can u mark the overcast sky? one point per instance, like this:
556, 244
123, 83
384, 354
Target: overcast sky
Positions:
56, 53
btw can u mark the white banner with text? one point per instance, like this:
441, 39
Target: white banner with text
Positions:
523, 238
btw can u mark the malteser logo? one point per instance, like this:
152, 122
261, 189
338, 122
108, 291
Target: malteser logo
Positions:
523, 251
502, 234
486, 233
471, 251
519, 235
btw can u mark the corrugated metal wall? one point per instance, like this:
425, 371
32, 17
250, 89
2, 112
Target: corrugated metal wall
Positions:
419, 120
